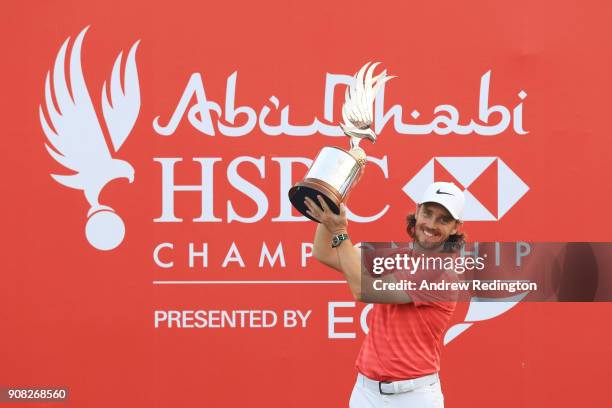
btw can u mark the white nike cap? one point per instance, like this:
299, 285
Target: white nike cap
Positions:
448, 195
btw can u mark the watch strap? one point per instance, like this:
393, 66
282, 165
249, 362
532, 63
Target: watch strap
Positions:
337, 239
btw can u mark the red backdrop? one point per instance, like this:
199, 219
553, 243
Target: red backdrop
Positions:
77, 317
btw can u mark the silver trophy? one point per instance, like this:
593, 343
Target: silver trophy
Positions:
335, 171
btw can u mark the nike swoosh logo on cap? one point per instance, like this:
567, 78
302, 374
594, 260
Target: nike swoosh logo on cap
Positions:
443, 192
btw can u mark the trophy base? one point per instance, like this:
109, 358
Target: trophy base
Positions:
311, 188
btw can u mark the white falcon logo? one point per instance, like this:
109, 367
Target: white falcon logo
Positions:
358, 108
76, 139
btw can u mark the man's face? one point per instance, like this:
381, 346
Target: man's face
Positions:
434, 225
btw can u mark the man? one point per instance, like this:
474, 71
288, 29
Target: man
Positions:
399, 360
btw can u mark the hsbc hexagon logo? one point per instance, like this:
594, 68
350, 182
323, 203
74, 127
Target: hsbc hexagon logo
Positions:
491, 187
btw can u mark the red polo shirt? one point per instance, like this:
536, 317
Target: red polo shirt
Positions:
404, 340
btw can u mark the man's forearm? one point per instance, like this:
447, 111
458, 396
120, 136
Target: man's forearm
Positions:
322, 240
361, 281
349, 259
322, 249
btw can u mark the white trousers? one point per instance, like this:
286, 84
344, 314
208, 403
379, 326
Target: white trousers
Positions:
427, 396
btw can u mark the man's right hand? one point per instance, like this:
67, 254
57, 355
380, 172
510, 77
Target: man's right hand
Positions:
334, 223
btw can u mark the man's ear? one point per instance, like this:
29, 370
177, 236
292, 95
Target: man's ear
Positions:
458, 225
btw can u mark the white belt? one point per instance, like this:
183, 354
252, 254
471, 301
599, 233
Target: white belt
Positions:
397, 387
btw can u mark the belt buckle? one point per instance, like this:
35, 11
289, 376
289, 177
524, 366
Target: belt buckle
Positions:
380, 388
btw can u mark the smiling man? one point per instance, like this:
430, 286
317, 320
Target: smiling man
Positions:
399, 361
